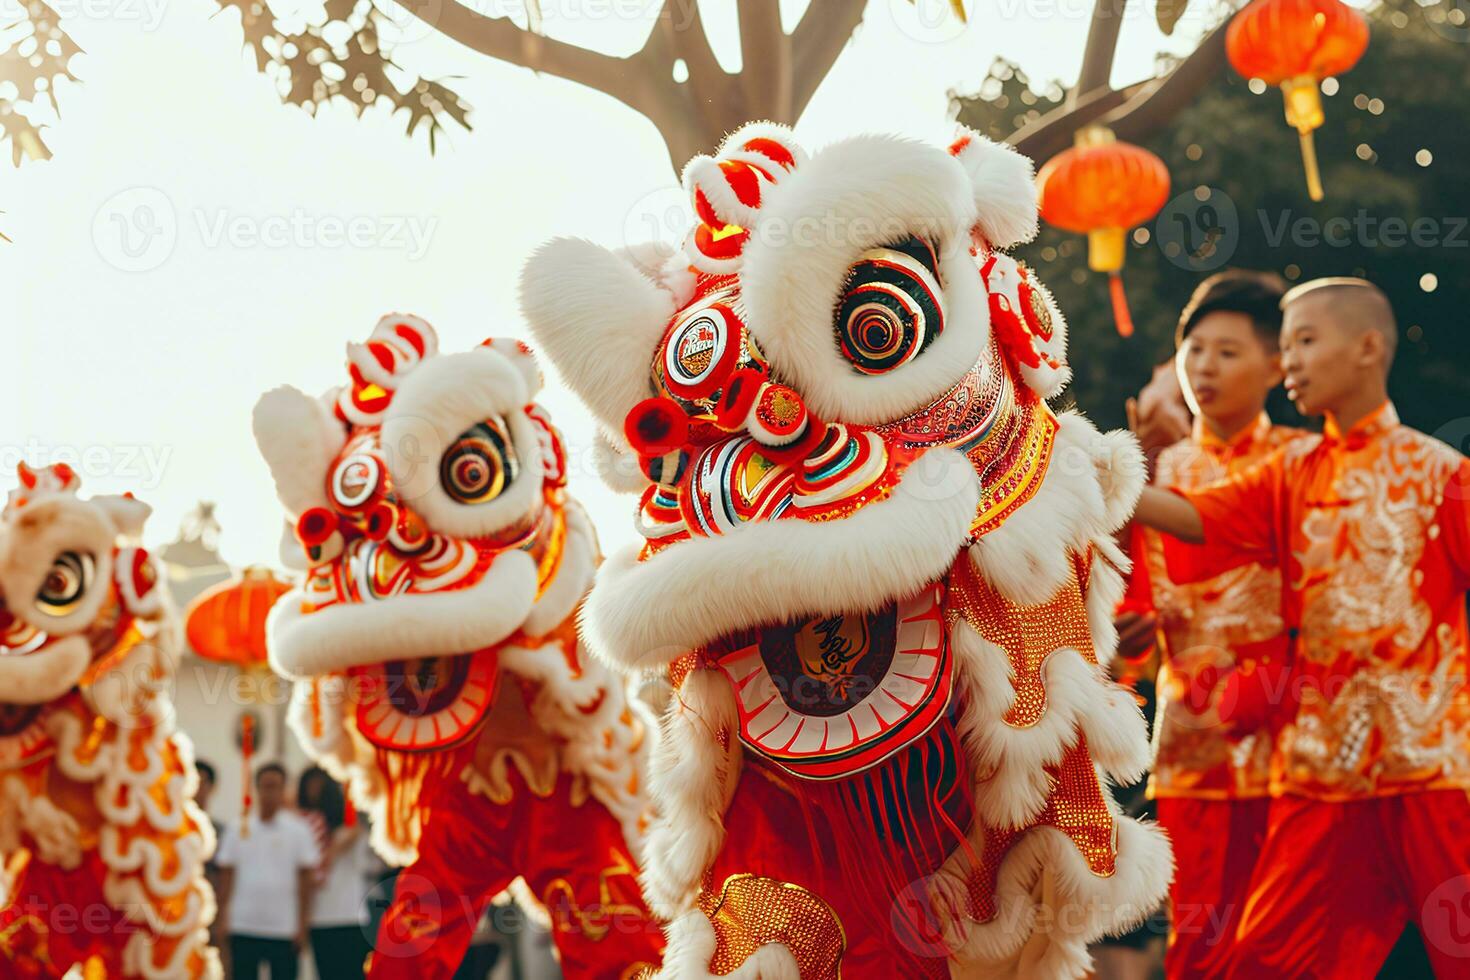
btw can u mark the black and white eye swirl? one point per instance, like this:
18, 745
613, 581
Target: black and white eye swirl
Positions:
480, 465
890, 309
66, 583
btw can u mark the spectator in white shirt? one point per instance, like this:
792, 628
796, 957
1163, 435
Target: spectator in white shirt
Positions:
266, 882
339, 911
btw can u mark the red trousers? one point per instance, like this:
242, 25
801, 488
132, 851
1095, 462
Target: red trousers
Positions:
1336, 883
573, 858
1215, 848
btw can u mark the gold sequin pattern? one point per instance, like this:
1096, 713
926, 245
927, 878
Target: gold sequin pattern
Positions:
681, 667
1076, 805
1028, 634
1077, 808
751, 911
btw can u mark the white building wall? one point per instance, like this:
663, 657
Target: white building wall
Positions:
210, 699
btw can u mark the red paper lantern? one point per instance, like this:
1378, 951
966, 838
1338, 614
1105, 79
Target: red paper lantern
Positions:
227, 622
1296, 44
1102, 188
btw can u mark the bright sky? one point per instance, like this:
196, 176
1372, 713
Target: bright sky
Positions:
185, 251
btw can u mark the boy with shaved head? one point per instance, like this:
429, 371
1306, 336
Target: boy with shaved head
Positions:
1370, 526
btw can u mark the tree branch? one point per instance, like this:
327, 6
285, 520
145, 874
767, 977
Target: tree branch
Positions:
1052, 133
1101, 46
708, 104
1135, 113
760, 22
681, 29
500, 38
1151, 109
816, 43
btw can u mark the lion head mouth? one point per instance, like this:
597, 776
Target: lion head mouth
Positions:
36, 667
18, 638
377, 566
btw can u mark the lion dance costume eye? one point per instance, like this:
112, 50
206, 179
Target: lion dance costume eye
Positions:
877, 569
890, 311
434, 648
96, 786
478, 466
65, 584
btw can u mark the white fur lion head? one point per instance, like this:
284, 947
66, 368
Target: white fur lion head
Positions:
822, 388
427, 500
81, 605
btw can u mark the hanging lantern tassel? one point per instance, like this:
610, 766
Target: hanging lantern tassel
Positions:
1304, 114
247, 749
1122, 319
1105, 250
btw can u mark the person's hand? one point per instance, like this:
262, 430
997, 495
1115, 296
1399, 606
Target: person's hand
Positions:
300, 941
1159, 417
1135, 634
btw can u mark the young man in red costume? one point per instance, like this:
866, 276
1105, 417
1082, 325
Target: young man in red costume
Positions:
1369, 826
1212, 771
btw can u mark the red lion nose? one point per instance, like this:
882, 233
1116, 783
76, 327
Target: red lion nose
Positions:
380, 521
317, 530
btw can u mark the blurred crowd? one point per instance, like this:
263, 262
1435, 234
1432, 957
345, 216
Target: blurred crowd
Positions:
301, 892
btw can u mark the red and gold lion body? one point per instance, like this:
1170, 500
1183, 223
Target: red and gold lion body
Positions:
104, 848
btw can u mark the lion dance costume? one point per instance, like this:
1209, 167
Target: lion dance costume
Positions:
435, 649
878, 570
103, 845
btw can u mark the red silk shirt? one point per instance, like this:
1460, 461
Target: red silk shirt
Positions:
1372, 530
1206, 628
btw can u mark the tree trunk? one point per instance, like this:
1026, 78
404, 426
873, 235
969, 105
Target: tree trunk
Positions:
779, 74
